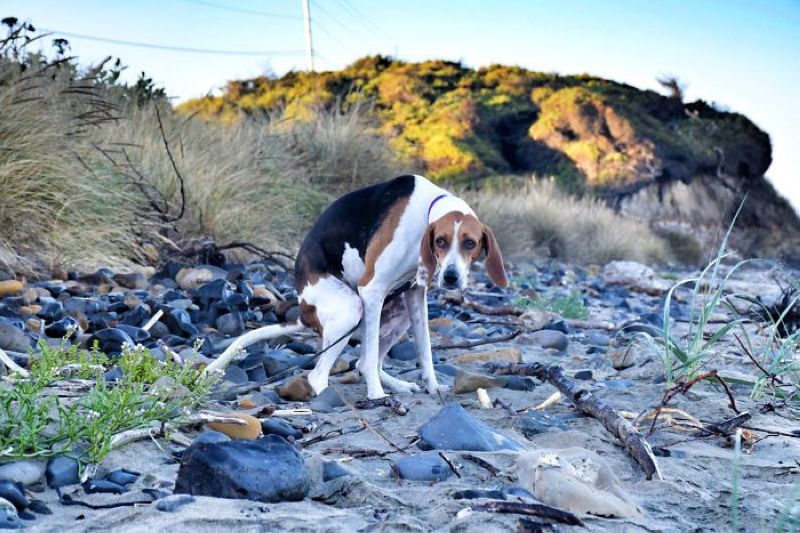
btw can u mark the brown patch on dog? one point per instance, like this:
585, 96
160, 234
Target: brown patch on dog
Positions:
494, 259
381, 239
309, 318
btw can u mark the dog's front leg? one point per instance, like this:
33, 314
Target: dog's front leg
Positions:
417, 304
372, 298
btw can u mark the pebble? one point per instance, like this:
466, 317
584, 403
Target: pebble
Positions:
510, 355
302, 348
231, 325
60, 329
333, 470
9, 519
277, 426
297, 389
549, 339
453, 428
10, 287
327, 401
404, 351
12, 338
276, 361
62, 470
473, 494
211, 437
93, 486
237, 431
14, 493
173, 502
533, 423
122, 477
267, 470
133, 280
470, 382
111, 340
26, 472
583, 375
428, 466
623, 357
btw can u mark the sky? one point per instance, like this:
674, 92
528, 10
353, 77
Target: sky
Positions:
743, 55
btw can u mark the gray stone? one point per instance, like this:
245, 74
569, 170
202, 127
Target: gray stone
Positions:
333, 470
62, 470
173, 502
267, 470
453, 428
403, 351
584, 375
423, 467
13, 339
326, 402
9, 519
26, 472
549, 339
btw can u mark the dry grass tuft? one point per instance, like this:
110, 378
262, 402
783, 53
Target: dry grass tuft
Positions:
87, 179
538, 219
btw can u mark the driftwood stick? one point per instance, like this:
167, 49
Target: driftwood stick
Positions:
590, 405
500, 338
574, 323
527, 509
494, 310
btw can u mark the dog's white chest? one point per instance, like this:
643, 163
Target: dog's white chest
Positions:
352, 265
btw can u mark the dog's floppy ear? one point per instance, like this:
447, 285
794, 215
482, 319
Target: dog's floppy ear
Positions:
427, 259
494, 259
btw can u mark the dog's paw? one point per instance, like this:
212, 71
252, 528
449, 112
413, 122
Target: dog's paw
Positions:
403, 387
437, 388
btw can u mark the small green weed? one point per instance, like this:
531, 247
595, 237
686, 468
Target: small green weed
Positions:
37, 421
568, 306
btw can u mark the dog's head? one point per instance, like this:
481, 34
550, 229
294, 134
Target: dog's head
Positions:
449, 246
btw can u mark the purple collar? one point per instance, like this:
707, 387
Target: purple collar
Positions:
430, 207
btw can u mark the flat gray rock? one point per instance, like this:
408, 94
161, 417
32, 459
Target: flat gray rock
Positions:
453, 428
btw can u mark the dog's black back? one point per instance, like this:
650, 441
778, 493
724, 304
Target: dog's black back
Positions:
354, 219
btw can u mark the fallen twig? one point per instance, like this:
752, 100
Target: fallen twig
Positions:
726, 427
482, 463
391, 402
574, 323
450, 463
364, 421
587, 403
527, 509
501, 338
494, 310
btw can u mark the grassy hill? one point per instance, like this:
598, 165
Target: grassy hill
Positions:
464, 123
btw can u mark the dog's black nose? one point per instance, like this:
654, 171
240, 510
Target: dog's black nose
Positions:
450, 277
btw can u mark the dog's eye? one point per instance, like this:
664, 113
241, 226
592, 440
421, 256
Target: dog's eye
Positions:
441, 242
469, 244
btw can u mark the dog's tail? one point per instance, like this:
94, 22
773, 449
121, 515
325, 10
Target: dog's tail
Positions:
260, 334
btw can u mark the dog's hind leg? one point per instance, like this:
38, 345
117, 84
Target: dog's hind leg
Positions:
394, 324
334, 310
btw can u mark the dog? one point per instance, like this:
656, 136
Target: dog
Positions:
366, 265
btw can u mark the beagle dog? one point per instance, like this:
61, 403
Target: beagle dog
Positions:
357, 260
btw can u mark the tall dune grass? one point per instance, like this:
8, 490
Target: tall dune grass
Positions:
87, 179
536, 218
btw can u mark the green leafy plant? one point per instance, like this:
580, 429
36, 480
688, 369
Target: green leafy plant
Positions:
37, 421
568, 306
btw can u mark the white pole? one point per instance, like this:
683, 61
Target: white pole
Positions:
309, 46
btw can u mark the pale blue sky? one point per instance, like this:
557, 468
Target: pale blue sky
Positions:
744, 55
